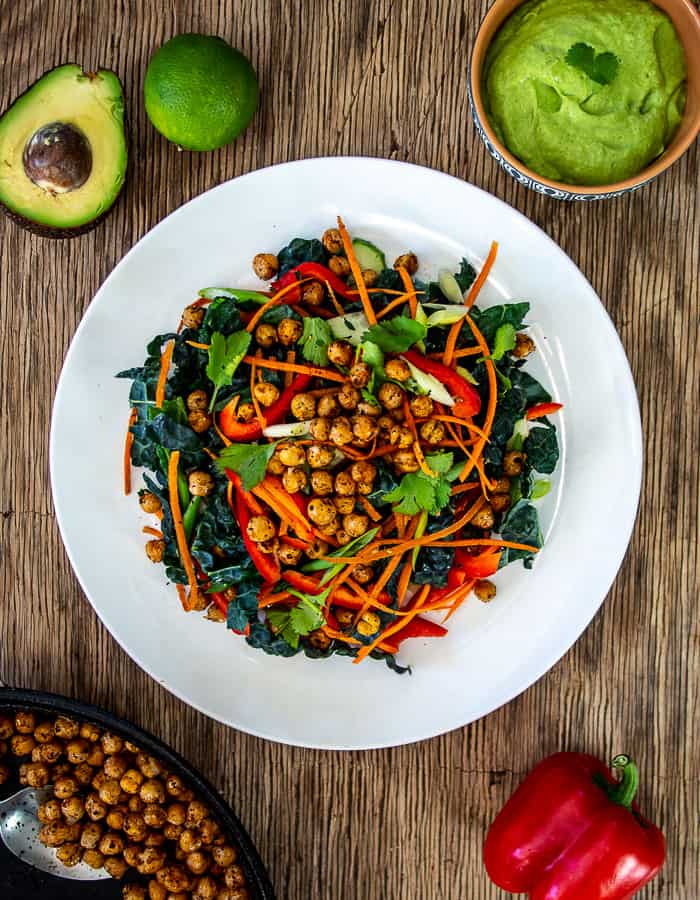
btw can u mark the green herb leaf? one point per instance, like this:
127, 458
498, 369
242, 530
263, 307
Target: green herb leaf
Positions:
281, 621
306, 617
372, 354
417, 491
540, 489
249, 461
439, 462
314, 341
503, 342
225, 355
601, 68
397, 334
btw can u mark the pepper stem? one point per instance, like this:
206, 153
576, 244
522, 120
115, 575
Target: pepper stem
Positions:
624, 791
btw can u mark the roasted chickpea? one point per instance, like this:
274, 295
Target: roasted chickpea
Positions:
7, 728
317, 549
49, 811
312, 293
348, 396
421, 406
405, 461
196, 400
341, 431
318, 456
391, 395
112, 844
320, 429
342, 537
116, 867
397, 370
83, 774
93, 858
407, 261
236, 893
38, 774
327, 406
369, 624
500, 485
266, 393
332, 241
245, 412
321, 483
69, 855
289, 331
432, 432
90, 835
196, 812
199, 421
155, 550
364, 428
192, 316
329, 529
150, 861
154, 839
25, 722
60, 770
174, 878
152, 791
288, 555
116, 817
341, 353
73, 809
319, 639
133, 892
369, 277
294, 479
65, 787
177, 813
110, 791
363, 471
291, 454
190, 841
156, 891
401, 436
483, 518
303, 407
260, 529
55, 834
364, 408
345, 486
154, 815
344, 617
339, 266
234, 877
131, 854
360, 374
265, 266
500, 502
224, 856
524, 346
116, 765
172, 832
200, 484
363, 574
321, 511
97, 756
355, 524
43, 733
22, 744
485, 590
206, 889
514, 462
135, 827
99, 780
95, 808
266, 335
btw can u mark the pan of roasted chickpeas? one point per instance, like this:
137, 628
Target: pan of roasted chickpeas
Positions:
121, 801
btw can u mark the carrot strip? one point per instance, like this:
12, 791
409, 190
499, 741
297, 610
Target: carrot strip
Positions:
272, 599
152, 531
165, 359
451, 342
185, 556
425, 468
492, 400
410, 421
356, 273
374, 514
284, 527
482, 276
289, 375
197, 345
273, 301
467, 351
334, 300
404, 580
128, 444
463, 422
256, 405
394, 629
461, 488
457, 598
408, 285
314, 371
399, 301
184, 599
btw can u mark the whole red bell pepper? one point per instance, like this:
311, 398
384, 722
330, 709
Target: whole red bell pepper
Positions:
312, 270
571, 832
250, 431
265, 563
467, 399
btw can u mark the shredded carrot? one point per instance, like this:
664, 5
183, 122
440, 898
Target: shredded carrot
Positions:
256, 405
461, 488
273, 301
197, 345
374, 514
491, 405
299, 310
187, 605
128, 444
451, 342
410, 290
399, 301
470, 426
410, 421
289, 376
401, 522
185, 556
271, 599
484, 542
314, 371
334, 300
284, 527
404, 580
321, 392
457, 598
467, 351
284, 506
482, 276
421, 597
356, 273
165, 358
153, 532
388, 291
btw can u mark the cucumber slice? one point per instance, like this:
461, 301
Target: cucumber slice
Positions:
368, 256
449, 287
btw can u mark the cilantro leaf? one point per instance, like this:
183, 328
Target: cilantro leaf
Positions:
397, 334
440, 462
314, 341
249, 461
601, 68
306, 617
225, 355
417, 491
504, 341
281, 621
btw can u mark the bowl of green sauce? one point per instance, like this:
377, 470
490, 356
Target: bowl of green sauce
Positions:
587, 99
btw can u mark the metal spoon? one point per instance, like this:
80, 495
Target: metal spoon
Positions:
19, 830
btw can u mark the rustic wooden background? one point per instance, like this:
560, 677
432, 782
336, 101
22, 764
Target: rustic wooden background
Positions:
382, 78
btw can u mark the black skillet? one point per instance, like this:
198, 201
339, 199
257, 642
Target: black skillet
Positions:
21, 882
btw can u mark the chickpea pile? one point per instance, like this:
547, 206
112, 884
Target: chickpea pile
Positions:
116, 807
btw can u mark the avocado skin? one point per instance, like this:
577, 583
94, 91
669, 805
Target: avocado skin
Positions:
48, 231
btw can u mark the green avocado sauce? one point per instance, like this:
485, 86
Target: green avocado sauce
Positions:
586, 91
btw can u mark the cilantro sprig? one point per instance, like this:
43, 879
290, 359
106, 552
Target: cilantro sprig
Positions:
417, 491
302, 619
396, 335
600, 67
248, 461
314, 341
225, 356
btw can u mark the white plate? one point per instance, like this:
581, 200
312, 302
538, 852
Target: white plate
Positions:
492, 652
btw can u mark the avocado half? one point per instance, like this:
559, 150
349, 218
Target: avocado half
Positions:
63, 152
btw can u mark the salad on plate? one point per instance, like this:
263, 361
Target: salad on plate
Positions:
336, 463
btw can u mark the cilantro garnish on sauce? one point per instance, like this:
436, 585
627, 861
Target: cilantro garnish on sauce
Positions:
601, 68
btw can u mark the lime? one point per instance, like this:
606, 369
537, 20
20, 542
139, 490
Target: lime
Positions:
200, 92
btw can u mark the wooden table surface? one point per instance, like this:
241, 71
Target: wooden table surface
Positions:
384, 78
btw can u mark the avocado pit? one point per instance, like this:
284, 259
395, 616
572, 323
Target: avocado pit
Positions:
58, 158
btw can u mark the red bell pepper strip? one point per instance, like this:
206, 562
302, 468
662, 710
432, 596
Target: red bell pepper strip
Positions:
455, 578
418, 628
312, 270
542, 409
301, 582
265, 563
571, 832
250, 431
250, 501
468, 401
481, 565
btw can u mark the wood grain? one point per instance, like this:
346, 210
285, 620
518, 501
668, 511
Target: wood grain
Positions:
386, 78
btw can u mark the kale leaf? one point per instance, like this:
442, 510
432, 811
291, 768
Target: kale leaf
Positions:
299, 251
521, 525
489, 320
542, 449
